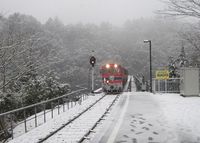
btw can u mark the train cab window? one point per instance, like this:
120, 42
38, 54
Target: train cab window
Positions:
112, 70
118, 78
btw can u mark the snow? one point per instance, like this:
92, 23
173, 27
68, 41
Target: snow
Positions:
168, 118
181, 113
79, 127
30, 121
164, 118
41, 131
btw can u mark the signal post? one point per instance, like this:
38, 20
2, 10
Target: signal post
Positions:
92, 62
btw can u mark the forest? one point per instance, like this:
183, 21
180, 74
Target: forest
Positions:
39, 61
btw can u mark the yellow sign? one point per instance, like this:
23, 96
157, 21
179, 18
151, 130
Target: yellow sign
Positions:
162, 74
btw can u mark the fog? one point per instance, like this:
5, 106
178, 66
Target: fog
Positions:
84, 11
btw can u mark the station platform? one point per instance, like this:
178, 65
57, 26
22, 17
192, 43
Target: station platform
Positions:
139, 118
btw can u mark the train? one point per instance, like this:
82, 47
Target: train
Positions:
114, 77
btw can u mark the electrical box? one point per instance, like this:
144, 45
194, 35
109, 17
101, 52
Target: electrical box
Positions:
189, 81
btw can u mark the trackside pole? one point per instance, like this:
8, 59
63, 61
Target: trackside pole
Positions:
92, 79
92, 62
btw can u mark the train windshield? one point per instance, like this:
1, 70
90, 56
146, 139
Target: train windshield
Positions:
118, 78
110, 70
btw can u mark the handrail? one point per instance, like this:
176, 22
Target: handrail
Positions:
40, 103
43, 111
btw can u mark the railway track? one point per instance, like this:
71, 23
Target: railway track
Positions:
78, 128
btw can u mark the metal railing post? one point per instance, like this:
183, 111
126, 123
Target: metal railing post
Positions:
63, 104
58, 107
80, 100
11, 124
25, 121
35, 108
75, 100
51, 109
44, 108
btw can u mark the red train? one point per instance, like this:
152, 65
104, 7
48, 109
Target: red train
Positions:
114, 78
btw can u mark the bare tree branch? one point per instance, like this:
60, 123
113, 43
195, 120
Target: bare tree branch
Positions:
189, 8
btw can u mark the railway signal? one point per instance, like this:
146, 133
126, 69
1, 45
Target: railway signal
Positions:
92, 61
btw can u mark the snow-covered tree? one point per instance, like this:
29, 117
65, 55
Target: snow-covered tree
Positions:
182, 60
189, 8
173, 70
175, 64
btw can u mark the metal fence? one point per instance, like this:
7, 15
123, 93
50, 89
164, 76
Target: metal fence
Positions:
171, 85
38, 113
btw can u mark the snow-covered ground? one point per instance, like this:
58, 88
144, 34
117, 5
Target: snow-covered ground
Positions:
163, 118
182, 114
82, 125
30, 121
44, 129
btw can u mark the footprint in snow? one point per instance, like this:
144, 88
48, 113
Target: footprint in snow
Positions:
134, 140
132, 116
133, 126
132, 130
125, 136
145, 128
150, 124
141, 122
150, 138
155, 133
142, 118
138, 133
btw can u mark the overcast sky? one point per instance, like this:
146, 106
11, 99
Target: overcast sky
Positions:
85, 11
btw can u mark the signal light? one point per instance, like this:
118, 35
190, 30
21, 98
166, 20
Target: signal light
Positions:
92, 61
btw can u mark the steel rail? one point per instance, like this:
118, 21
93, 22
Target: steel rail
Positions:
69, 122
101, 118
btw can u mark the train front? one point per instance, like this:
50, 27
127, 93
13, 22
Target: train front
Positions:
112, 78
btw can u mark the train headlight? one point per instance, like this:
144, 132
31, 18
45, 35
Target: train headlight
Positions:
107, 66
115, 65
